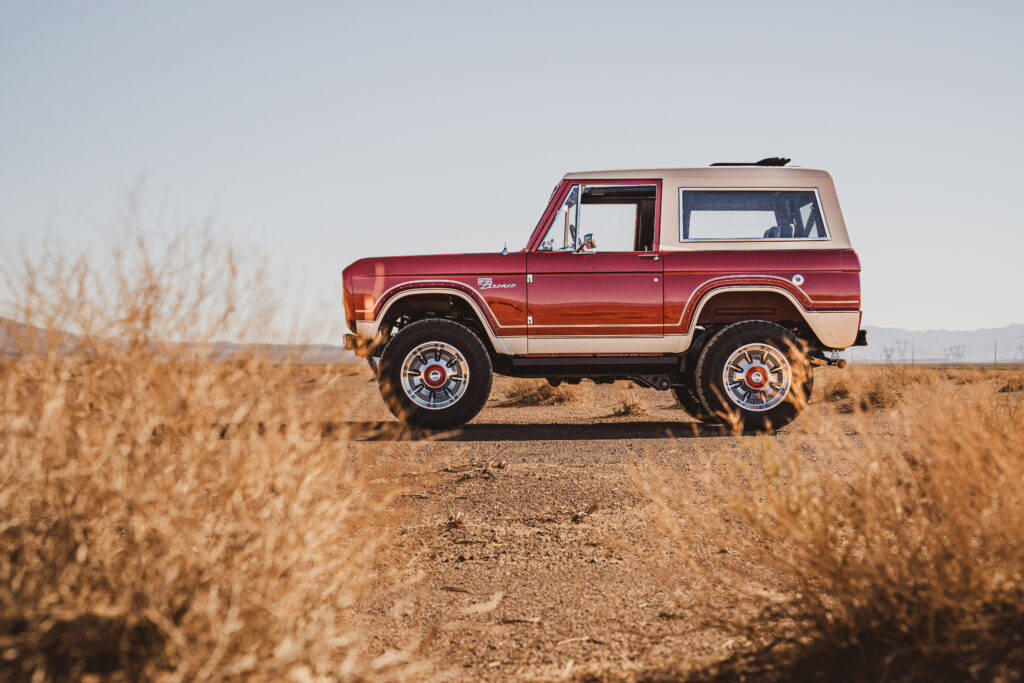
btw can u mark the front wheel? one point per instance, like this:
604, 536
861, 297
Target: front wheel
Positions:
690, 402
435, 374
755, 375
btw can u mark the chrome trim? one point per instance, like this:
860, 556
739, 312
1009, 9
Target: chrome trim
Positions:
602, 324
757, 377
431, 368
787, 240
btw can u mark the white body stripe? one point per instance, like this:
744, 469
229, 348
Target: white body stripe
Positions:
835, 329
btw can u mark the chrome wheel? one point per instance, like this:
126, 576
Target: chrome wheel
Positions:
757, 377
435, 375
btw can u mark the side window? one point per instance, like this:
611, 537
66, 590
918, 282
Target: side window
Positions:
750, 215
616, 217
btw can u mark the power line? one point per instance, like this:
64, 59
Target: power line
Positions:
901, 346
955, 353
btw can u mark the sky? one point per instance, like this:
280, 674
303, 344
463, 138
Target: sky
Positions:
326, 132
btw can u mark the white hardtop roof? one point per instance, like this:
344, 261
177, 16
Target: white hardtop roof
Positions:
676, 180
735, 173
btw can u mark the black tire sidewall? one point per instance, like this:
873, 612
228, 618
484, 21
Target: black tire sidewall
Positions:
449, 332
689, 400
712, 361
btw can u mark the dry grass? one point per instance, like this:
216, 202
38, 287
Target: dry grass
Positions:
629, 405
165, 516
534, 392
867, 388
873, 544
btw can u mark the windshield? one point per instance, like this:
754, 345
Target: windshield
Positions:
561, 233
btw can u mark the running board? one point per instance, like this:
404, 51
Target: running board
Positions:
591, 366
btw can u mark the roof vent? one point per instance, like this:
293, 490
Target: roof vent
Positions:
770, 161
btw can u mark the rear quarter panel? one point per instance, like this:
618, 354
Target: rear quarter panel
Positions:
831, 279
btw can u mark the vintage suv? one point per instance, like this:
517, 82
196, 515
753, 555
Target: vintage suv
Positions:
724, 284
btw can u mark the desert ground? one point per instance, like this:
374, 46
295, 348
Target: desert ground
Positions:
530, 550
169, 517
531, 546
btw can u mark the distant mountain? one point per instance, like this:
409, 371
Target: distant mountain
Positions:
313, 354
938, 346
15, 337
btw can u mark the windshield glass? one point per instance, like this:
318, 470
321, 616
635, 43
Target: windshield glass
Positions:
561, 232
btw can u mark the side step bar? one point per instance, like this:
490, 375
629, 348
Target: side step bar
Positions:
589, 366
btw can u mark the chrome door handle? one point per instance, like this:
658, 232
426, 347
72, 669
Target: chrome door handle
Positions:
654, 257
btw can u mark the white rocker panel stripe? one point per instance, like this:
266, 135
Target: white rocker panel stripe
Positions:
835, 329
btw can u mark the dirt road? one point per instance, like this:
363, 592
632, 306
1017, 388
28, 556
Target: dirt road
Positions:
529, 549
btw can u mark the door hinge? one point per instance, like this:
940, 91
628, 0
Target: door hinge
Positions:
529, 320
529, 278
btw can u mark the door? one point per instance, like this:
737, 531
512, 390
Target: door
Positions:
595, 280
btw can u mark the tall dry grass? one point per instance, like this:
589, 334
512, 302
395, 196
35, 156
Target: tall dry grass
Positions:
164, 515
879, 538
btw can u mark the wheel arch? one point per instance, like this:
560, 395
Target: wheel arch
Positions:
394, 304
809, 318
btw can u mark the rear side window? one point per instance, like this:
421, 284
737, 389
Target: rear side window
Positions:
750, 215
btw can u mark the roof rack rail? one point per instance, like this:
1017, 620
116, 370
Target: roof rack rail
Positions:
770, 161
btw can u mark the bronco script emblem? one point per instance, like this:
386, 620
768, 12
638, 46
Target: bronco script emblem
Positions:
488, 283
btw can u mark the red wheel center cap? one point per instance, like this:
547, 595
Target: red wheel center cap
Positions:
435, 376
756, 377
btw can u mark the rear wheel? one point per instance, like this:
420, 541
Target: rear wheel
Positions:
755, 374
435, 374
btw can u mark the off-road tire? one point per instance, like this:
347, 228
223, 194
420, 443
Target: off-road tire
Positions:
687, 397
455, 335
720, 402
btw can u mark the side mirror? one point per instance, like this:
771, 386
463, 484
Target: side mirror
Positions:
588, 243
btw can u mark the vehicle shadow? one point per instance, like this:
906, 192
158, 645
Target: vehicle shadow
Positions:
484, 431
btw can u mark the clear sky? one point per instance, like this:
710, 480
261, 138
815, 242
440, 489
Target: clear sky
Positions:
325, 132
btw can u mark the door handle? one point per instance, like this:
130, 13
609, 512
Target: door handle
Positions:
651, 256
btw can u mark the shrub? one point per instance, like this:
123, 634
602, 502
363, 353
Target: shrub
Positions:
530, 392
883, 544
163, 514
629, 404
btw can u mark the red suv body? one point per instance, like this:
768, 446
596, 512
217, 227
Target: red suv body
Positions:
724, 284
